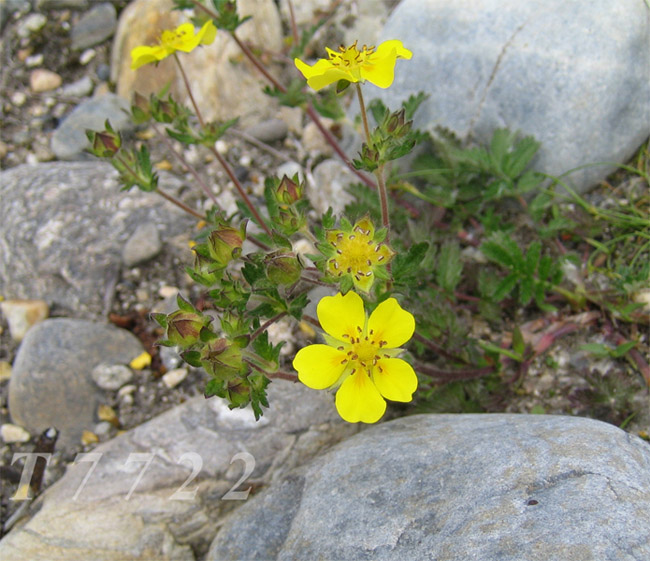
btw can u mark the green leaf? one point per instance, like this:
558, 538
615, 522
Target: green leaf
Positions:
193, 358
450, 267
532, 258
297, 305
524, 151
518, 343
160, 319
526, 290
597, 349
183, 304
412, 104
405, 266
623, 348
215, 387
505, 287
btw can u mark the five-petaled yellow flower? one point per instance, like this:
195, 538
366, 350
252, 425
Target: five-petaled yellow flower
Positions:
376, 65
360, 356
355, 252
182, 38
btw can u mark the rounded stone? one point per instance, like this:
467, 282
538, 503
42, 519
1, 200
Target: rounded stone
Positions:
50, 383
575, 75
144, 244
111, 377
41, 80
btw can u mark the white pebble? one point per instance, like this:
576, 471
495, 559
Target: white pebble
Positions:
174, 377
87, 56
13, 433
34, 60
18, 99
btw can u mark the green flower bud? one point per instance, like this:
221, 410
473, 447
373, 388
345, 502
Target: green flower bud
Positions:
104, 144
184, 328
225, 243
140, 109
221, 359
282, 268
288, 191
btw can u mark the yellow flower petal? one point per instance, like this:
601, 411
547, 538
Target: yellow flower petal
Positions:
395, 379
145, 55
391, 323
322, 74
341, 316
319, 366
358, 400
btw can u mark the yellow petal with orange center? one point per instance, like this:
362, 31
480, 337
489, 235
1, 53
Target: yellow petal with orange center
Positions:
395, 379
391, 323
319, 366
342, 316
358, 399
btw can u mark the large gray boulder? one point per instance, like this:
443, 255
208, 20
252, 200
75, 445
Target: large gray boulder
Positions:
575, 75
51, 383
451, 487
64, 226
189, 459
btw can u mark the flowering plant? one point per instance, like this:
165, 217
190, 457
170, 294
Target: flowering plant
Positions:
401, 287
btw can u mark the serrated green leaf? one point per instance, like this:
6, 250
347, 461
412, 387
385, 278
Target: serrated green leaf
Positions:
532, 258
193, 358
215, 387
160, 319
450, 267
526, 290
346, 283
505, 287
523, 152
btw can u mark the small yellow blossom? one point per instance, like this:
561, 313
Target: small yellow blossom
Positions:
359, 359
141, 361
182, 38
376, 65
356, 253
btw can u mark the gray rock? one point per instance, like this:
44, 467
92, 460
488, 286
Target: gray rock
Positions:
9, 7
111, 377
80, 88
575, 75
95, 26
331, 177
450, 487
144, 244
50, 382
170, 514
69, 140
269, 130
63, 229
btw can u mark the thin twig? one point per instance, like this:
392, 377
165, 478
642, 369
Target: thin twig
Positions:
437, 349
188, 167
179, 204
262, 328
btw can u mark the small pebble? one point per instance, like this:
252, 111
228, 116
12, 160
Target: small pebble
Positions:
34, 60
174, 377
221, 146
31, 24
313, 140
103, 72
269, 131
107, 413
87, 56
88, 437
18, 99
21, 315
111, 377
95, 26
80, 88
41, 80
5, 370
167, 291
142, 294
4, 149
13, 433
103, 429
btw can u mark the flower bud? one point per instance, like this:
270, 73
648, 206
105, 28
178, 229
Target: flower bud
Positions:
221, 359
282, 268
288, 191
104, 144
184, 328
140, 109
225, 243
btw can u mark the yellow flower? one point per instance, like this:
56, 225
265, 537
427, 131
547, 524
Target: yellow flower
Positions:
355, 253
377, 66
360, 356
182, 38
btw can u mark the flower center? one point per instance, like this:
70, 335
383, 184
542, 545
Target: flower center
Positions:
350, 57
172, 38
357, 253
